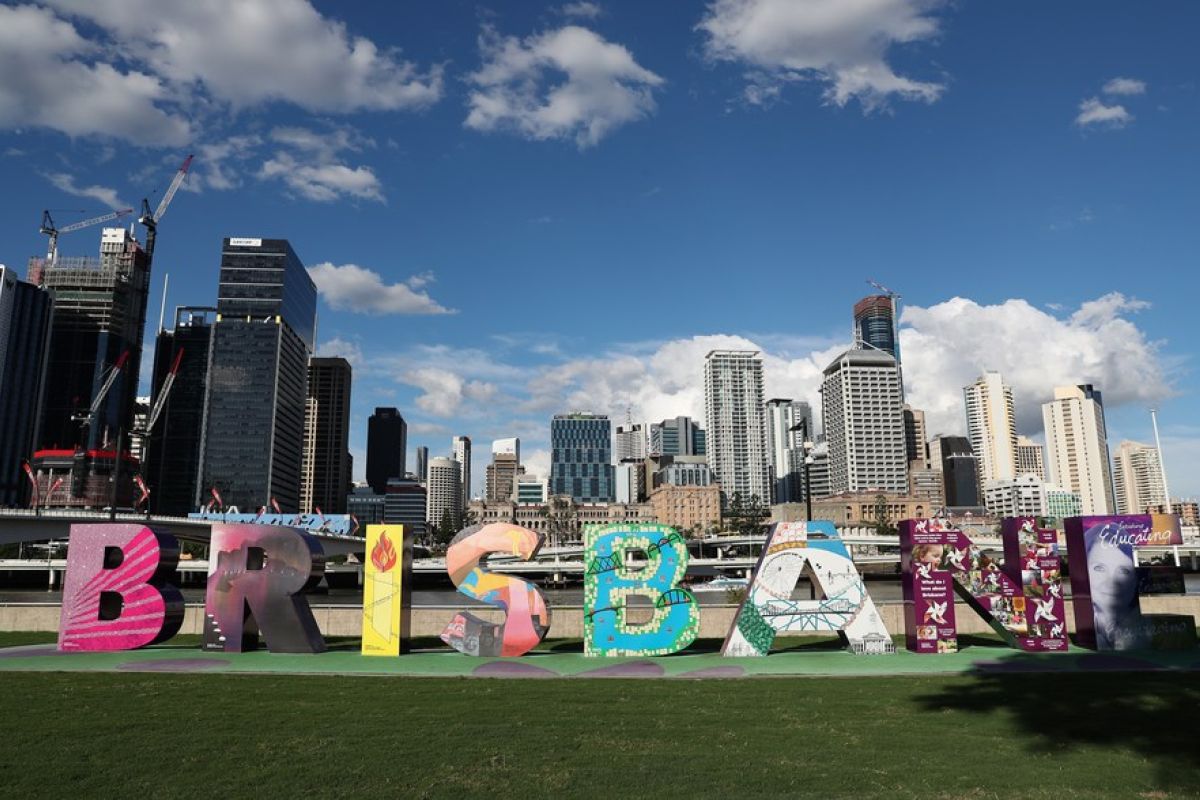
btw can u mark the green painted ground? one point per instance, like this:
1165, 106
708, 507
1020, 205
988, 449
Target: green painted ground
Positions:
810, 656
979, 736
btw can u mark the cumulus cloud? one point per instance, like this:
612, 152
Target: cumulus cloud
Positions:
344, 348
104, 194
443, 392
1093, 113
946, 346
841, 43
349, 287
323, 182
568, 83
245, 53
47, 79
1125, 86
583, 10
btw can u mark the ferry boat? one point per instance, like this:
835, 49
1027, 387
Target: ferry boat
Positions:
721, 583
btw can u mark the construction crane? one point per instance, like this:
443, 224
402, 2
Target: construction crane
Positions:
149, 220
160, 402
85, 420
884, 289
53, 232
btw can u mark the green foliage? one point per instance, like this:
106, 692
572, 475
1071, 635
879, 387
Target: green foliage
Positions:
747, 515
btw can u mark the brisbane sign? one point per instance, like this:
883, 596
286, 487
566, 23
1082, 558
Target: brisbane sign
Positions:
117, 593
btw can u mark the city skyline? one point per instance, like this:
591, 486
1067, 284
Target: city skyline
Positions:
371, 194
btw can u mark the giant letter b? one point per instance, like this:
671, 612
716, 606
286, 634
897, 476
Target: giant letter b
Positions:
115, 596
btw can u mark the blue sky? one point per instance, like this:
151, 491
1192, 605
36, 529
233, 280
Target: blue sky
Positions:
598, 193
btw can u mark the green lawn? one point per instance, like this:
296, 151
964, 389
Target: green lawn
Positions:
976, 736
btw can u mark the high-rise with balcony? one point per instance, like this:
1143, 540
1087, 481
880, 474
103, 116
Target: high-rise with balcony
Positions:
444, 493
863, 413
1077, 447
327, 435
629, 444
387, 440
258, 377
1031, 458
581, 457
785, 446
502, 473
1137, 474
992, 427
736, 424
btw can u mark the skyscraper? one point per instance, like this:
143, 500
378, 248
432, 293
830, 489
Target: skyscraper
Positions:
172, 468
992, 427
1137, 474
915, 449
257, 387
785, 447
581, 457
677, 437
405, 503
1077, 446
25, 314
422, 464
735, 414
461, 447
444, 491
1031, 458
504, 469
630, 443
329, 401
875, 325
960, 470
387, 443
863, 413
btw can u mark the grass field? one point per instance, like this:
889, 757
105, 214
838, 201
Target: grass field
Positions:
975, 736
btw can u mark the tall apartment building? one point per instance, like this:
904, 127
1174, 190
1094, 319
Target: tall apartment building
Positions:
915, 449
25, 317
863, 413
677, 437
581, 457
327, 435
992, 427
387, 443
875, 325
1031, 458
785, 447
444, 491
501, 475
1077, 446
629, 443
461, 448
1137, 474
735, 414
258, 375
172, 468
1022, 496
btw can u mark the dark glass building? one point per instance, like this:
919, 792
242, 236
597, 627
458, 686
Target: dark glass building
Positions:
875, 324
258, 375
327, 436
25, 316
580, 456
387, 443
172, 468
960, 469
677, 437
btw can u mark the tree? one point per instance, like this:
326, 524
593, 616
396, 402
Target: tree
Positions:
560, 517
445, 530
883, 525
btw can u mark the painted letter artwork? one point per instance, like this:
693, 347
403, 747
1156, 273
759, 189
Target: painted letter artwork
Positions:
527, 620
793, 549
117, 592
1021, 600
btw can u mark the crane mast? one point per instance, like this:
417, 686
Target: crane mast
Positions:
151, 220
49, 229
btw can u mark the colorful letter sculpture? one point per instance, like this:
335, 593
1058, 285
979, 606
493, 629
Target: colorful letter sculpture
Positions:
791, 550
1104, 583
387, 587
1021, 601
527, 619
115, 595
608, 584
257, 577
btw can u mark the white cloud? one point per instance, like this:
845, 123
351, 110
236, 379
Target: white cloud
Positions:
252, 52
584, 10
518, 87
443, 392
220, 165
946, 346
47, 81
1093, 112
323, 182
104, 194
349, 287
345, 348
1125, 86
842, 43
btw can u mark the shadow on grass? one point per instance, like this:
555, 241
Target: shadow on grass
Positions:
1150, 714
